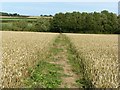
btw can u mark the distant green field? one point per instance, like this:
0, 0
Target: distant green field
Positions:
16, 19
24, 23
12, 19
9, 23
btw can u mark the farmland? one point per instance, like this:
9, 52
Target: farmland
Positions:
99, 54
8, 23
52, 60
102, 22
25, 23
21, 50
12, 19
59, 45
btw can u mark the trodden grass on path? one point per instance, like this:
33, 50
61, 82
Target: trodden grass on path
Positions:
58, 69
60, 48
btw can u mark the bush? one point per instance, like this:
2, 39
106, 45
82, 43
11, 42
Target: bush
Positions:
42, 25
20, 25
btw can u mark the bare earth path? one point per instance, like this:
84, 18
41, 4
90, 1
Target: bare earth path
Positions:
58, 69
61, 58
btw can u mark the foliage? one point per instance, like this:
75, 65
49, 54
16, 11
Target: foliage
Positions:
12, 15
20, 25
77, 22
42, 25
39, 25
45, 75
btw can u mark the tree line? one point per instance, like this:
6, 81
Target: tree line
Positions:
75, 22
18, 15
12, 15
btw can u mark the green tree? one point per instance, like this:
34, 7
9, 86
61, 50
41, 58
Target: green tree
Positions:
20, 25
42, 25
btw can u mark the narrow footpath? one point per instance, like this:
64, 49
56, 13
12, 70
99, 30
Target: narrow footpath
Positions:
59, 69
61, 58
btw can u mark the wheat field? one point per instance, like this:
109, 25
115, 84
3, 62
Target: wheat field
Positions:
100, 57
21, 50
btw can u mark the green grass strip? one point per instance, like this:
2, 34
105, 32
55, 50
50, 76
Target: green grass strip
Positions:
45, 74
77, 65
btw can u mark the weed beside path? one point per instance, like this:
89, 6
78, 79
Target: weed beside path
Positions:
61, 58
58, 69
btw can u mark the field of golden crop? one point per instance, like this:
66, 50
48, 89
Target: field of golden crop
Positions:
0, 58
99, 54
21, 50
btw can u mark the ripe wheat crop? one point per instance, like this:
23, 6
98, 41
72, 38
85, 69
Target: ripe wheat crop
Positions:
99, 53
21, 50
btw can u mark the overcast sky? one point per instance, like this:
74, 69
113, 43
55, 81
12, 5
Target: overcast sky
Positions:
38, 8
